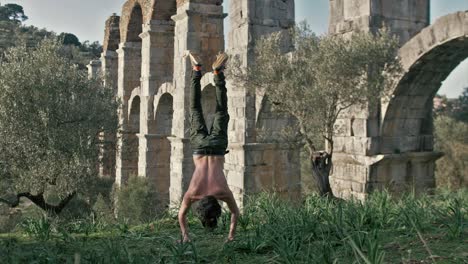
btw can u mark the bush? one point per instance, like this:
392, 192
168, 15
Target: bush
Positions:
451, 139
136, 201
103, 210
9, 218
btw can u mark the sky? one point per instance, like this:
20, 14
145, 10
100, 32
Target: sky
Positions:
85, 19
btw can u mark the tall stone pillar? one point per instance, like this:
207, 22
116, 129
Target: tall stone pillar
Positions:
108, 71
157, 69
361, 163
253, 165
128, 79
199, 28
110, 64
94, 69
110, 67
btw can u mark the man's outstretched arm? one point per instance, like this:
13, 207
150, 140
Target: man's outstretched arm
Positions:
186, 202
231, 202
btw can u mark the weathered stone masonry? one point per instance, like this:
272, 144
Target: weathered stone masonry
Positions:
145, 60
392, 146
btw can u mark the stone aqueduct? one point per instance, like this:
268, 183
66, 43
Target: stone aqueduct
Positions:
144, 58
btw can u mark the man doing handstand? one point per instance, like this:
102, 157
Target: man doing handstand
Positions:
208, 182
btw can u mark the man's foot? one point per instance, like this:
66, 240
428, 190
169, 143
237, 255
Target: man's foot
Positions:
195, 60
220, 62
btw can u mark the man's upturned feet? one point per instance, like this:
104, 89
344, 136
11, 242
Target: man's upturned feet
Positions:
195, 60
220, 62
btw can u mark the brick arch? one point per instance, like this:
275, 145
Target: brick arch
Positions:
164, 114
134, 14
135, 95
131, 141
134, 115
150, 10
427, 60
162, 131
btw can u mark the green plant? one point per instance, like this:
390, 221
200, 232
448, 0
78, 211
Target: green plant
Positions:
136, 201
40, 228
456, 221
288, 245
376, 258
59, 111
180, 252
318, 231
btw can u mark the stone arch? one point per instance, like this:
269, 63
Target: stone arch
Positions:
160, 176
134, 115
132, 144
164, 114
134, 15
147, 10
166, 88
134, 95
427, 59
112, 33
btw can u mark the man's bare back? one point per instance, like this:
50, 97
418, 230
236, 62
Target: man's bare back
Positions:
208, 179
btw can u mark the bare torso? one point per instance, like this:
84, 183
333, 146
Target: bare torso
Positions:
208, 178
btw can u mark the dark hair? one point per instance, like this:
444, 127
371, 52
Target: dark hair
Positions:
208, 211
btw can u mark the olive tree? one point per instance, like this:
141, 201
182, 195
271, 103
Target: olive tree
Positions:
51, 114
12, 12
451, 139
321, 78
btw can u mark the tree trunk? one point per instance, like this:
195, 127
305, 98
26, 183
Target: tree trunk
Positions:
321, 164
40, 201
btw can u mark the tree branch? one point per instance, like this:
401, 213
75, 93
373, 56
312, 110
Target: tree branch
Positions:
39, 200
310, 144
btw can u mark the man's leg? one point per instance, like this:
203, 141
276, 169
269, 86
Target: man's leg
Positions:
198, 130
219, 129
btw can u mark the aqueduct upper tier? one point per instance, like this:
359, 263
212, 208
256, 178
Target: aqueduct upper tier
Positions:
145, 59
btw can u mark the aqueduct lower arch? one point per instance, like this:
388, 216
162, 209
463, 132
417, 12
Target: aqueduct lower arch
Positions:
150, 66
427, 59
390, 147
395, 149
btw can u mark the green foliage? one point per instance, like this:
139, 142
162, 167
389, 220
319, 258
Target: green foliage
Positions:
12, 12
451, 139
322, 76
455, 214
384, 229
454, 108
38, 228
319, 80
103, 209
461, 113
13, 33
69, 39
136, 201
9, 218
50, 117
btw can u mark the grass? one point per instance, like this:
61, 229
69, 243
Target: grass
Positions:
427, 229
